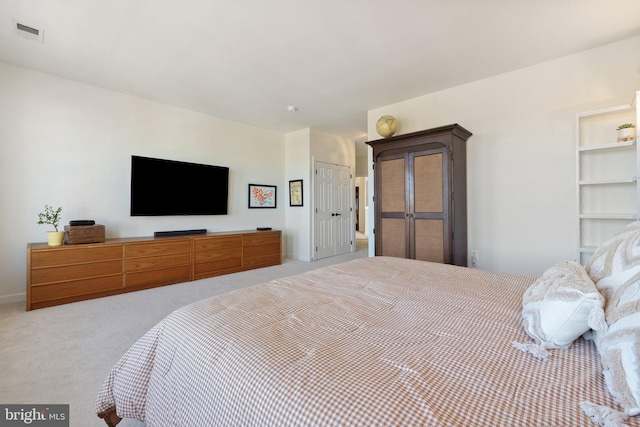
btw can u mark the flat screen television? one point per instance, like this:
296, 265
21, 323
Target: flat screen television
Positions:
167, 187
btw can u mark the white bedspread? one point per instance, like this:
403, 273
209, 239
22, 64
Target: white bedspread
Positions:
376, 341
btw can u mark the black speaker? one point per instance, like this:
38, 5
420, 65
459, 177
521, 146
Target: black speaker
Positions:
180, 232
78, 222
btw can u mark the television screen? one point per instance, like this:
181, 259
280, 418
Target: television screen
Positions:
167, 187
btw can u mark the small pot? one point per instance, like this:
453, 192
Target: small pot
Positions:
55, 238
626, 134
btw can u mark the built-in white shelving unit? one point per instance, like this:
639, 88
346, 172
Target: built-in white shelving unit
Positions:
608, 190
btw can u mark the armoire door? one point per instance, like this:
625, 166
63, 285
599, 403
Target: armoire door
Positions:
412, 201
392, 230
427, 213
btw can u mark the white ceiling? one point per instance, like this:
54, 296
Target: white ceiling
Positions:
247, 60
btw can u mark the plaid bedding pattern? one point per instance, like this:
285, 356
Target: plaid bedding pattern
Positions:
371, 342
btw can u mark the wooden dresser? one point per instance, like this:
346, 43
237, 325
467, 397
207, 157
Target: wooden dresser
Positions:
63, 274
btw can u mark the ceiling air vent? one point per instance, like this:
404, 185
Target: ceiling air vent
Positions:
28, 32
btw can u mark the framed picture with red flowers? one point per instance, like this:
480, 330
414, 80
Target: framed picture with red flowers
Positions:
262, 196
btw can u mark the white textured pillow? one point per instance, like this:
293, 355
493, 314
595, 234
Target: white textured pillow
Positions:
561, 306
615, 269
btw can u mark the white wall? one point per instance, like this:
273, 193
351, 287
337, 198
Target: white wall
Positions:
298, 166
361, 157
330, 148
68, 144
303, 148
521, 157
362, 183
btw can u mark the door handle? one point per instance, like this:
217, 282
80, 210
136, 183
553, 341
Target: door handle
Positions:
335, 214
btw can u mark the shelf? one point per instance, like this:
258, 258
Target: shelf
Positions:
588, 249
606, 110
609, 181
607, 175
610, 146
631, 216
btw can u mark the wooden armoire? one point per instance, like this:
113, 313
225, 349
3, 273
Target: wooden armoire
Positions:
420, 195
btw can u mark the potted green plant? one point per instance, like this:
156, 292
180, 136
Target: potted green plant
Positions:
51, 216
626, 132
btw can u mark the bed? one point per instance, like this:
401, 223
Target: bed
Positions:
371, 342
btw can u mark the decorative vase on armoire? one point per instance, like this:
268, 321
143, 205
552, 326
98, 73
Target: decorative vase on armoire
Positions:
420, 195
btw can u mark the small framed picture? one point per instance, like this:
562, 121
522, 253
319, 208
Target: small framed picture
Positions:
295, 192
262, 196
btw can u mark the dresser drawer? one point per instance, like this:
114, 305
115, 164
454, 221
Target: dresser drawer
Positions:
223, 258
159, 277
75, 272
65, 255
138, 250
75, 288
261, 238
215, 268
261, 260
155, 262
271, 248
218, 254
207, 243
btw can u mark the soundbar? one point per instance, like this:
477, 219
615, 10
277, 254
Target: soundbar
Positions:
180, 232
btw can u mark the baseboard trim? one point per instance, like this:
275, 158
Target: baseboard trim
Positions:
297, 257
10, 299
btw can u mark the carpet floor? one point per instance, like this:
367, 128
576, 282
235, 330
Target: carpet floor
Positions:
61, 355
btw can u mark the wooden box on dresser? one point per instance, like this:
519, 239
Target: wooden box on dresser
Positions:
63, 274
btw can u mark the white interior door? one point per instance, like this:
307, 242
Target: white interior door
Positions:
333, 210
